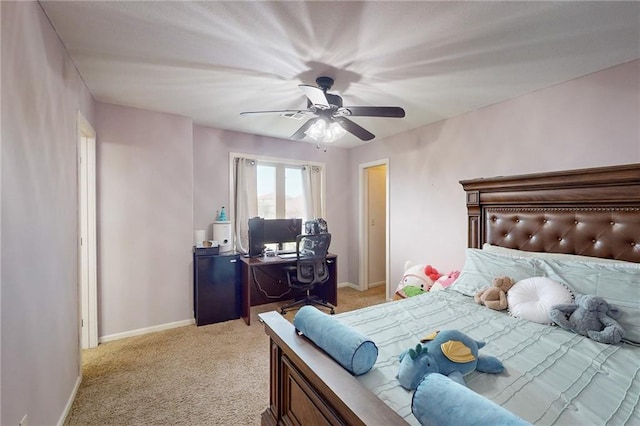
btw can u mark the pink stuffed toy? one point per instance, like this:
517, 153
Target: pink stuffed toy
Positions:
445, 281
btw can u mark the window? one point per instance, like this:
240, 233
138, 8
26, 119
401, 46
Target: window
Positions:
266, 188
274, 188
279, 189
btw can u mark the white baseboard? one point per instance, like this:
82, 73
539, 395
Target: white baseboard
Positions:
72, 397
355, 286
348, 284
141, 331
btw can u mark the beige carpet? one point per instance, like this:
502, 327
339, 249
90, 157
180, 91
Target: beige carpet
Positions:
211, 375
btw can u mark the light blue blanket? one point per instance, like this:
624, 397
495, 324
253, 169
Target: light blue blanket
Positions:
552, 376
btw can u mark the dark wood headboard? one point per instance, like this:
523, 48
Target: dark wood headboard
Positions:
590, 212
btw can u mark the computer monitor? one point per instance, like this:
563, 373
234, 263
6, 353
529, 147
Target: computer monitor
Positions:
256, 236
272, 231
281, 231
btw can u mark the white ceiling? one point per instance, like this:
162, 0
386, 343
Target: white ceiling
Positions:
212, 60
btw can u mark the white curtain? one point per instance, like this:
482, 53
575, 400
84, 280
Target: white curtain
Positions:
312, 192
246, 200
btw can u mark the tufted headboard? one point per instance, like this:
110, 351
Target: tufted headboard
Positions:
590, 212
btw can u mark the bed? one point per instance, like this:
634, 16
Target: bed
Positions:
552, 376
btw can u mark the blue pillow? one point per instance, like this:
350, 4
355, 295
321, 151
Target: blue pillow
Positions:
617, 283
350, 348
481, 267
440, 401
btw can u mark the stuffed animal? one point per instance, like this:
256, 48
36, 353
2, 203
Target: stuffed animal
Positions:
448, 352
495, 297
432, 272
414, 281
445, 281
589, 316
410, 291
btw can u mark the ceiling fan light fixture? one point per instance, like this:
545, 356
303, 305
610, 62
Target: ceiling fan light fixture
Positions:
317, 130
321, 132
333, 133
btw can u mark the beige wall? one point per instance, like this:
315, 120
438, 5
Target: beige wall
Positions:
211, 148
159, 178
145, 218
41, 94
591, 121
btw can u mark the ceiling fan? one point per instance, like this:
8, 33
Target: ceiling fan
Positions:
328, 110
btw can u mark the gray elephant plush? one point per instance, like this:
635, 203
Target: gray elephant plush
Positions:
589, 316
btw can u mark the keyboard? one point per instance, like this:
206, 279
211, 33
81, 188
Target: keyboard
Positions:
288, 255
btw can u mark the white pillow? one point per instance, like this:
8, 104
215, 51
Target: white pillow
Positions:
532, 298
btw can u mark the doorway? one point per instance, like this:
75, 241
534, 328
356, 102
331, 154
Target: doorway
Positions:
87, 244
374, 225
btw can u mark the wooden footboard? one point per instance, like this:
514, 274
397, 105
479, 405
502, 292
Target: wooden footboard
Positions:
307, 387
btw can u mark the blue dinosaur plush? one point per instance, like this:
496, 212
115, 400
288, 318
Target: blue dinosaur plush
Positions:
448, 352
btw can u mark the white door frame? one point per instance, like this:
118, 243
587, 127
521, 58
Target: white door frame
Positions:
362, 227
87, 244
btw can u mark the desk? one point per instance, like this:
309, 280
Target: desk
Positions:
275, 282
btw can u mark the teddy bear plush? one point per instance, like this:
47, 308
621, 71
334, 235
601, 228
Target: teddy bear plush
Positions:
448, 352
589, 316
495, 297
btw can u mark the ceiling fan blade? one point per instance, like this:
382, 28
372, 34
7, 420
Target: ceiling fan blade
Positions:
284, 111
316, 95
354, 128
374, 111
300, 133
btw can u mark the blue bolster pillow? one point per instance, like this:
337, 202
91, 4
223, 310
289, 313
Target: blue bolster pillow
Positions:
350, 348
441, 401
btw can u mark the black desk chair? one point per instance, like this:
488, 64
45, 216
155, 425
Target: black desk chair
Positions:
310, 271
